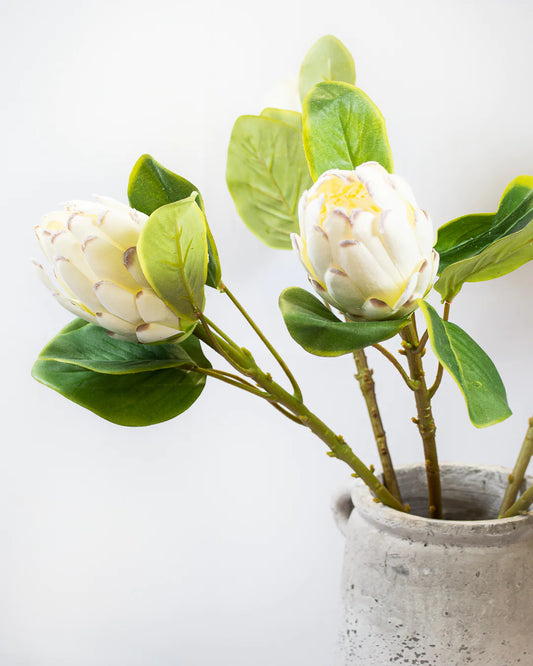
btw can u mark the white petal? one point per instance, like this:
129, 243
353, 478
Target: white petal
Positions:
408, 295
75, 308
400, 242
312, 214
424, 232
65, 244
147, 333
106, 260
338, 228
108, 203
45, 241
376, 180
88, 208
120, 302
343, 291
318, 251
116, 325
376, 309
83, 226
133, 266
120, 228
364, 229
77, 283
153, 310
424, 279
44, 277
366, 273
301, 211
55, 221
403, 188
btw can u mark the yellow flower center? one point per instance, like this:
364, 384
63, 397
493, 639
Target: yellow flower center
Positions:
341, 194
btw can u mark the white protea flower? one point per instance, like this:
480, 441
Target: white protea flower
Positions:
98, 277
366, 245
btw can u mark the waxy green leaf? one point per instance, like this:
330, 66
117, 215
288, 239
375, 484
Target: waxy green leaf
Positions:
124, 382
292, 118
471, 368
151, 186
343, 128
315, 328
267, 174
173, 253
327, 60
486, 246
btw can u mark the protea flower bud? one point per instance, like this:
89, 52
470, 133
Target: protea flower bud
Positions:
92, 249
367, 247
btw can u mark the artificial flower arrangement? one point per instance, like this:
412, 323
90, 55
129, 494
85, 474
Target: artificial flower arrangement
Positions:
322, 182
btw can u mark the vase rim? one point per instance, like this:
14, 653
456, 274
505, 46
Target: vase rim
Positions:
417, 527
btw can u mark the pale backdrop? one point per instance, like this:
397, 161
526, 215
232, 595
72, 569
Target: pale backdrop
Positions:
208, 540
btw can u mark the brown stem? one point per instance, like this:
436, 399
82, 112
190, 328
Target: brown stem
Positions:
366, 382
519, 471
425, 421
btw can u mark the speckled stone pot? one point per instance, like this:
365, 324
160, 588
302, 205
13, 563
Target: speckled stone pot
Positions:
439, 593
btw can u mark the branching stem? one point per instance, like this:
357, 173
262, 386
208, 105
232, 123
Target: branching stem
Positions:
390, 357
366, 382
424, 420
518, 473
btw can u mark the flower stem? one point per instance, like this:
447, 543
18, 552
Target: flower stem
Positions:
425, 421
386, 353
366, 382
243, 362
521, 505
518, 473
297, 392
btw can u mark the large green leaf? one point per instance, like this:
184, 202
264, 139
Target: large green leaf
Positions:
327, 60
124, 382
151, 186
343, 128
486, 246
292, 118
471, 368
173, 254
267, 174
315, 328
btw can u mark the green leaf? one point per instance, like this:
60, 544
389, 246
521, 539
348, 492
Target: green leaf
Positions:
315, 328
151, 186
471, 368
267, 174
90, 347
124, 382
292, 118
327, 60
173, 253
342, 129
486, 246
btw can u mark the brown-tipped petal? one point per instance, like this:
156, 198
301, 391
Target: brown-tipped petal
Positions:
106, 260
120, 302
44, 277
55, 221
77, 283
116, 325
400, 241
75, 308
119, 227
133, 266
91, 208
376, 309
408, 292
343, 291
45, 241
364, 270
318, 251
147, 333
152, 309
65, 244
82, 226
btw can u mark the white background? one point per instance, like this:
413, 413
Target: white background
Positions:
208, 540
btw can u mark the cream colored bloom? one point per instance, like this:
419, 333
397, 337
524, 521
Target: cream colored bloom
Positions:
92, 249
366, 245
